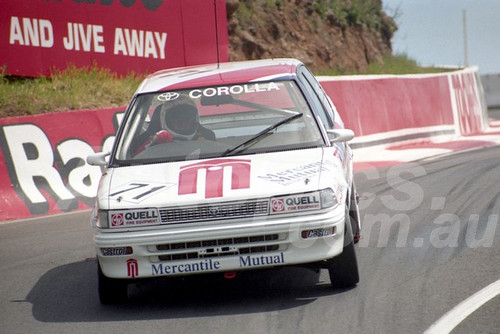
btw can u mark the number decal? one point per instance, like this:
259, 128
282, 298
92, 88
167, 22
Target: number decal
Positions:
134, 186
152, 190
136, 192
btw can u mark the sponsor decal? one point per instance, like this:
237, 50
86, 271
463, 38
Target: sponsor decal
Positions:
218, 173
318, 233
134, 217
116, 251
261, 260
233, 90
277, 205
132, 268
295, 174
181, 268
117, 219
294, 203
338, 154
206, 265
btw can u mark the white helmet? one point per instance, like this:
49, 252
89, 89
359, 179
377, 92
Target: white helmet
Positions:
181, 118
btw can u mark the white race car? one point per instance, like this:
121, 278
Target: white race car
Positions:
224, 168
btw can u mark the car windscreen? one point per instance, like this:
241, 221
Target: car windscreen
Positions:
215, 121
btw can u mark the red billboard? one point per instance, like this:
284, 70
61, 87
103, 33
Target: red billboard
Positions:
42, 160
141, 36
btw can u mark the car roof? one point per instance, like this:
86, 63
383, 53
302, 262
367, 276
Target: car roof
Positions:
220, 74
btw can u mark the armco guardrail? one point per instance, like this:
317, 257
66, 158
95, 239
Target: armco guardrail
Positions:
43, 169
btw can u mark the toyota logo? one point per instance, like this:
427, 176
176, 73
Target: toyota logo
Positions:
213, 211
165, 97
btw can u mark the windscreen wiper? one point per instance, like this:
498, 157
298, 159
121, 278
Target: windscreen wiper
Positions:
262, 133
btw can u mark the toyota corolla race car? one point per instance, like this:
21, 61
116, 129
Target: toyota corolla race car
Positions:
223, 168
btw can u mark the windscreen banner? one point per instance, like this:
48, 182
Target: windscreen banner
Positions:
139, 36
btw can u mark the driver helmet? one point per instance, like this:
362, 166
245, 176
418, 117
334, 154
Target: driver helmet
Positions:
181, 118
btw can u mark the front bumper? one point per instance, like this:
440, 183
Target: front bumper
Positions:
222, 246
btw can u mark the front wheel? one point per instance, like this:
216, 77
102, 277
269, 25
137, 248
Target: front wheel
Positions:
111, 291
343, 269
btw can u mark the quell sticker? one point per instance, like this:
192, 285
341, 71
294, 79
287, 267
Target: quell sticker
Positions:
134, 218
295, 203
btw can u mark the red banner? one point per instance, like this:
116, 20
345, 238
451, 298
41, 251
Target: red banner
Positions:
42, 162
142, 36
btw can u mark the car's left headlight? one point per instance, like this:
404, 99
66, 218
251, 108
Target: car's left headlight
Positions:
328, 198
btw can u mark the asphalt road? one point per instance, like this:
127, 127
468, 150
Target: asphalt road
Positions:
431, 240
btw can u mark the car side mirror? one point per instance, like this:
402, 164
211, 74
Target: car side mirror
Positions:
98, 159
340, 135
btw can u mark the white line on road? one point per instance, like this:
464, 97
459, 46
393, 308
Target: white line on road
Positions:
457, 314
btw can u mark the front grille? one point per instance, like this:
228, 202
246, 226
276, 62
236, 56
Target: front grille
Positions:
220, 247
212, 212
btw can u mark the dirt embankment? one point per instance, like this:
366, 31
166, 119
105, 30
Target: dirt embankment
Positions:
328, 34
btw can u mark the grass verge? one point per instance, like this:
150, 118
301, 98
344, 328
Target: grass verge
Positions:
71, 89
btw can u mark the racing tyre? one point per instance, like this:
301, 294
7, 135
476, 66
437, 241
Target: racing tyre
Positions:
343, 269
111, 291
354, 214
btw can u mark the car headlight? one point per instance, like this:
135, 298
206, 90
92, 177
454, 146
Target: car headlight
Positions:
328, 198
102, 219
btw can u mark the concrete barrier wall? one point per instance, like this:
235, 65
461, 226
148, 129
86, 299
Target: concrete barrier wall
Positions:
491, 85
393, 106
468, 103
42, 160
377, 104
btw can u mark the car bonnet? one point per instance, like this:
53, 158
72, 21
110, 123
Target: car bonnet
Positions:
217, 180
